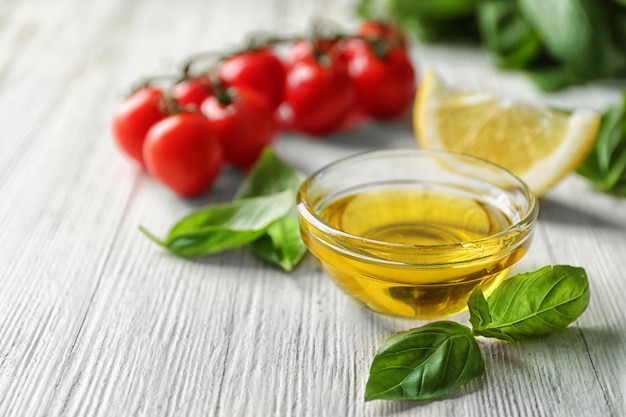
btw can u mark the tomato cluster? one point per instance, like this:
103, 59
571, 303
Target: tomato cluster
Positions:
185, 134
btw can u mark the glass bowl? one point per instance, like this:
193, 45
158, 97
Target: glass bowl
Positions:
413, 232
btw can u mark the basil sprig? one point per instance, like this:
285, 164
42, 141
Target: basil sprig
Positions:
263, 216
434, 360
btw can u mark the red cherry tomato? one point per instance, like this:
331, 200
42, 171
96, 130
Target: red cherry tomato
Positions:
134, 117
259, 70
374, 30
243, 123
320, 93
193, 91
385, 80
183, 152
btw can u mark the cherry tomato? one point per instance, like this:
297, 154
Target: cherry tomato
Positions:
192, 91
243, 123
134, 117
384, 78
259, 69
183, 152
319, 92
374, 30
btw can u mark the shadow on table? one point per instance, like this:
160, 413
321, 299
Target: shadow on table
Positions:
554, 211
577, 355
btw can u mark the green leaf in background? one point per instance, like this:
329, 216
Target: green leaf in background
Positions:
225, 226
532, 304
282, 243
605, 166
578, 34
558, 43
508, 35
425, 363
440, 20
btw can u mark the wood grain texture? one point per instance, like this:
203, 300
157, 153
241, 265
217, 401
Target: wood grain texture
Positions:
97, 321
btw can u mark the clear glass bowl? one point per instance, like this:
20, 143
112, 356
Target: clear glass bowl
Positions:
413, 232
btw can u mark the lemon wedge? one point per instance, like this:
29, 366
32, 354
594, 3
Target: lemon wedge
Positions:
539, 144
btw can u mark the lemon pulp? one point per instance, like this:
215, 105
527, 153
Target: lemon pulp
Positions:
538, 144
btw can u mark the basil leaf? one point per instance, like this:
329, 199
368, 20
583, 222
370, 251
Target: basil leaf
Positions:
225, 226
612, 133
425, 363
282, 243
605, 165
532, 304
270, 175
480, 317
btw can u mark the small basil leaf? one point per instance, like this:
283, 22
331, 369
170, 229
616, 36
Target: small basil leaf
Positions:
536, 304
281, 244
480, 317
226, 226
425, 363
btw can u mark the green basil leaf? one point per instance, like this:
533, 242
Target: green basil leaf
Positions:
605, 165
612, 133
425, 363
480, 317
226, 226
282, 243
270, 175
535, 304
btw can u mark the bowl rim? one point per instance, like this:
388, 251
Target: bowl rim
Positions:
527, 218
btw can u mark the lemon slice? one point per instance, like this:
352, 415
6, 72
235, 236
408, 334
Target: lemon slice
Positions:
538, 144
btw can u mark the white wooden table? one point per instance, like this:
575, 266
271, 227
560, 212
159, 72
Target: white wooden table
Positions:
95, 320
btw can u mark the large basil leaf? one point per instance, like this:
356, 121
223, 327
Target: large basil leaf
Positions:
532, 304
270, 175
425, 363
225, 226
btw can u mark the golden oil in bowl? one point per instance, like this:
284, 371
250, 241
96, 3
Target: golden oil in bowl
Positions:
411, 233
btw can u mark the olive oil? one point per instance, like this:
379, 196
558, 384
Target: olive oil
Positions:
421, 251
